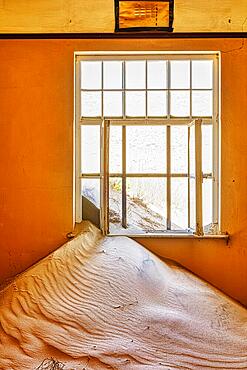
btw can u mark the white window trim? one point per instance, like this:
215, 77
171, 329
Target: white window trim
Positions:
79, 56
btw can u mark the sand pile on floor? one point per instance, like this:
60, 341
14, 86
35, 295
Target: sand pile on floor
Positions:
110, 304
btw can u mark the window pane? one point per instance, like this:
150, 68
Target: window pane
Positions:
146, 149
157, 74
135, 75
91, 104
179, 149
157, 103
115, 205
202, 74
90, 149
180, 74
207, 203
192, 203
180, 103
91, 75
112, 75
135, 104
146, 204
179, 203
115, 149
207, 148
113, 104
202, 103
91, 190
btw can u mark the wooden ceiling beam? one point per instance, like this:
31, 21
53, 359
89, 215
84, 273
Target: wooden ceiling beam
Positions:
46, 16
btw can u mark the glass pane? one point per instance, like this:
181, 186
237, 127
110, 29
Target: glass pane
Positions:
157, 74
91, 75
179, 203
91, 190
146, 204
192, 151
113, 104
180, 74
192, 204
144, 13
207, 149
180, 103
146, 149
90, 149
179, 149
90, 104
202, 103
135, 104
115, 205
202, 74
113, 75
115, 149
135, 75
207, 203
157, 103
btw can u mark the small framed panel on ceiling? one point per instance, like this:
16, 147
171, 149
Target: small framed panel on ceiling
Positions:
144, 15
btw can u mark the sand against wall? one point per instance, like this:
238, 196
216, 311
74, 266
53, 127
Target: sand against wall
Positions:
110, 304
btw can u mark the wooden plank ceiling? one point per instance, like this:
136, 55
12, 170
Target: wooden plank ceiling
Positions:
28, 16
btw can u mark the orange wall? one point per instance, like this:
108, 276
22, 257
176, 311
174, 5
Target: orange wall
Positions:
36, 151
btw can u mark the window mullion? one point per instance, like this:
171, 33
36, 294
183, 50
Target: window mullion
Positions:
189, 198
199, 177
168, 152
77, 168
106, 133
102, 90
124, 192
190, 89
216, 145
123, 89
146, 88
189, 210
168, 170
102, 190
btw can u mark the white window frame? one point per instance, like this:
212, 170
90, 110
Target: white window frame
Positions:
168, 121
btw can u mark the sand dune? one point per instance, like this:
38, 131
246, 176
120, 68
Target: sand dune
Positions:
110, 304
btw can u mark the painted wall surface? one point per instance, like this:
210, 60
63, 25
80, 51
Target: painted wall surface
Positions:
36, 151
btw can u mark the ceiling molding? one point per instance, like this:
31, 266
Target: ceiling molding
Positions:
124, 35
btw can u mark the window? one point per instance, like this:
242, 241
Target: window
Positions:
147, 142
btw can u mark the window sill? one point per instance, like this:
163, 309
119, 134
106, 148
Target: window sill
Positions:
174, 236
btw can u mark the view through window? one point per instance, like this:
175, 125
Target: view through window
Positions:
148, 104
